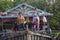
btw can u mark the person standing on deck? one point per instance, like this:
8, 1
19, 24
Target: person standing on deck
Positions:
36, 20
20, 21
44, 24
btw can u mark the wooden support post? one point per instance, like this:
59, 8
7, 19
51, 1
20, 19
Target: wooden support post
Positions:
25, 37
38, 37
27, 27
28, 37
45, 38
41, 38
32, 37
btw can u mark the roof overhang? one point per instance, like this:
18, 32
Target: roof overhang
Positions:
41, 12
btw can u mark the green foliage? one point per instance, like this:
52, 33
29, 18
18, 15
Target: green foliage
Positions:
5, 5
56, 33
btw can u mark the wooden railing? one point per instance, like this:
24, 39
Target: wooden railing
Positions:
24, 35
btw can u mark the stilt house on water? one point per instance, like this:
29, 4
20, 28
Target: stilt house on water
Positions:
27, 11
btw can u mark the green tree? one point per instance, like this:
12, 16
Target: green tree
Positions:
5, 5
